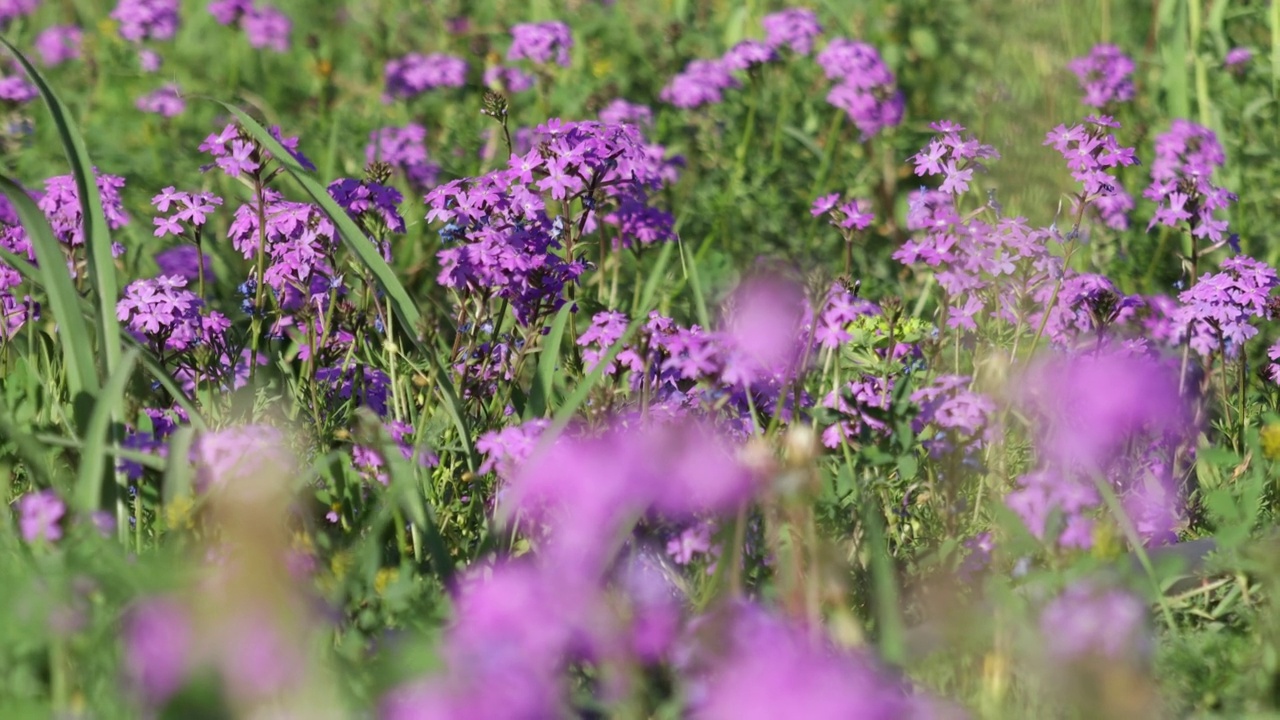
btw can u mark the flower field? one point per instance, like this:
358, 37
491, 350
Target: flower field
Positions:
577, 359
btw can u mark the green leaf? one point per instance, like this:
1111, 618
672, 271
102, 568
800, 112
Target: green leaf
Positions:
97, 237
178, 472
64, 301
548, 360
360, 246
93, 460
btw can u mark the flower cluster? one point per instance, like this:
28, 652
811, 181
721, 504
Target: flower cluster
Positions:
410, 76
266, 26
865, 87
168, 316
1111, 417
1217, 313
236, 153
793, 28
1181, 181
299, 241
190, 211
850, 215
146, 19
953, 156
1105, 76
541, 43
40, 516
509, 80
405, 149
11, 10
59, 43
1092, 153
703, 82
167, 101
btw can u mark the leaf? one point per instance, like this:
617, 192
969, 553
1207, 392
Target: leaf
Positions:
93, 466
548, 360
97, 237
360, 246
64, 301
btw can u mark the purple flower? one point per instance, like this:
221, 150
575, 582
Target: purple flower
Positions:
794, 28
267, 27
10, 10
146, 19
953, 156
1092, 153
701, 83
16, 90
159, 645
227, 12
1105, 76
1181, 181
181, 261
236, 154
693, 540
619, 111
61, 205
1217, 314
1089, 624
59, 43
239, 458
508, 80
1237, 58
39, 515
404, 148
168, 316
541, 43
748, 54
866, 89
149, 60
166, 101
414, 74
759, 666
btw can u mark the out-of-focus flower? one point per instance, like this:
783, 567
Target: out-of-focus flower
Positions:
1087, 623
794, 28
411, 75
159, 648
39, 516
166, 101
541, 43
59, 43
1237, 58
146, 19
1105, 76
1182, 181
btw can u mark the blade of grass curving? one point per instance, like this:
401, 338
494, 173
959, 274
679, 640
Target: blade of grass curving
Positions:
64, 301
152, 365
178, 472
403, 306
548, 360
97, 238
89, 492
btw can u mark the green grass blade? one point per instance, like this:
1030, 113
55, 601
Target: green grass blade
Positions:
64, 301
89, 493
97, 237
401, 304
178, 473
548, 360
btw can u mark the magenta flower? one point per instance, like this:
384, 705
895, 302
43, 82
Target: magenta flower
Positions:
701, 83
1089, 624
58, 44
405, 149
1237, 58
166, 101
414, 74
159, 648
1181, 181
146, 19
39, 515
794, 28
541, 43
865, 89
1105, 76
748, 54
509, 80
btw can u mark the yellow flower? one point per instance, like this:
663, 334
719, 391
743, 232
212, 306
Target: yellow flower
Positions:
178, 513
385, 577
1107, 543
601, 67
1271, 441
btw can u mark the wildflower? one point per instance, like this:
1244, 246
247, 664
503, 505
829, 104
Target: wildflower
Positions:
1181, 181
59, 43
40, 514
1270, 437
508, 79
411, 75
865, 89
146, 19
405, 149
1237, 58
541, 43
748, 54
619, 112
166, 101
1087, 623
1217, 314
794, 28
1105, 76
701, 83
1091, 151
159, 643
